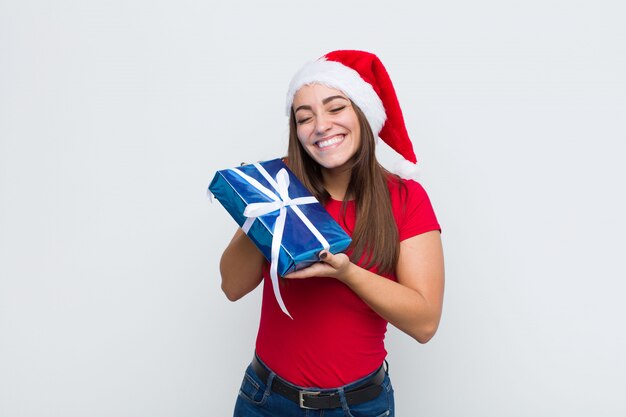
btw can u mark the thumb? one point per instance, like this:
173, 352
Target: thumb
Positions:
327, 257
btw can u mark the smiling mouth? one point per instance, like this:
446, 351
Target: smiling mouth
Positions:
329, 142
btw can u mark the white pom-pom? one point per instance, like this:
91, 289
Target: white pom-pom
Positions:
406, 170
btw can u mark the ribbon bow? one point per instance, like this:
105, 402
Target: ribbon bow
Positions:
279, 203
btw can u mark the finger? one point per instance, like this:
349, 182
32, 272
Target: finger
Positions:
303, 273
315, 270
328, 258
296, 274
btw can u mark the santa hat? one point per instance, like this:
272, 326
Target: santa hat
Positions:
364, 80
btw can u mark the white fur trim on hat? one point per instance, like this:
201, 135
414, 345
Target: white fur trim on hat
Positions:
335, 75
406, 169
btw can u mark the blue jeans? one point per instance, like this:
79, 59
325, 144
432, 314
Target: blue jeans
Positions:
256, 399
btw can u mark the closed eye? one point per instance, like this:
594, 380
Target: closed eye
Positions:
303, 120
337, 109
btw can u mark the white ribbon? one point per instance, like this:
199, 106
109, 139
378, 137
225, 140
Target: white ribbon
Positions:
279, 203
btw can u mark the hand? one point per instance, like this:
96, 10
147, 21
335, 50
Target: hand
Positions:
335, 266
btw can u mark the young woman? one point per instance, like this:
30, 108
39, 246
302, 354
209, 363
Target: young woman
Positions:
329, 360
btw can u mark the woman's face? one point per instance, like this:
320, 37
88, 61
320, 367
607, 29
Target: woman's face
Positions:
327, 125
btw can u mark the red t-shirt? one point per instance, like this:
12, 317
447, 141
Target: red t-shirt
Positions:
334, 337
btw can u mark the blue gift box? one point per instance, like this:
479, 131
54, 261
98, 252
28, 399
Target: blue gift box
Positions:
261, 198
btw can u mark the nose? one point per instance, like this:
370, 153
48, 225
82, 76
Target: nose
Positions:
322, 124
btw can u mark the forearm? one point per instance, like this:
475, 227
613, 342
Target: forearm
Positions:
413, 303
240, 266
404, 307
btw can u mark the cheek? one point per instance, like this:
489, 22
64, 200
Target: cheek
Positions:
356, 129
303, 133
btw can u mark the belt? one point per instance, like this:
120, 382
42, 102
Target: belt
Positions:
315, 400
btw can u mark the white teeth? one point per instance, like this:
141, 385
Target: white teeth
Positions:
331, 141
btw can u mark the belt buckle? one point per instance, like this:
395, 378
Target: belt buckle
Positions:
301, 395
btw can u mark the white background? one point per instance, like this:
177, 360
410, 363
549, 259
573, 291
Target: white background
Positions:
114, 116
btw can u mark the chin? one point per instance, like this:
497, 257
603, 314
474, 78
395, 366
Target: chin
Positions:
330, 161
333, 164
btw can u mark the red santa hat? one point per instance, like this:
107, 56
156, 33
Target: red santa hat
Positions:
362, 77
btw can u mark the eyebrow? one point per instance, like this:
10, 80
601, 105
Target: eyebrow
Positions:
324, 101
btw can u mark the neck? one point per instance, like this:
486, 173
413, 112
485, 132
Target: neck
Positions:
336, 182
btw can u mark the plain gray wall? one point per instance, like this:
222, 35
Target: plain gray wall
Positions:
115, 115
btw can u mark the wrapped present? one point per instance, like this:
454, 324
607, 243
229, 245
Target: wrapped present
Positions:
280, 216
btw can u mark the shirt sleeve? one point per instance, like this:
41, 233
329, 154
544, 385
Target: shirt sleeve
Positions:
414, 211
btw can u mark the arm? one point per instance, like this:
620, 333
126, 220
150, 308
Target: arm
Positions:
414, 303
240, 266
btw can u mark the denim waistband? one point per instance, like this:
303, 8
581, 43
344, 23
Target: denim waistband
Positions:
357, 392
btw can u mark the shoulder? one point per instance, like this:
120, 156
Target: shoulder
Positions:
411, 207
402, 190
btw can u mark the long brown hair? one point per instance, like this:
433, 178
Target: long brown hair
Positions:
375, 235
